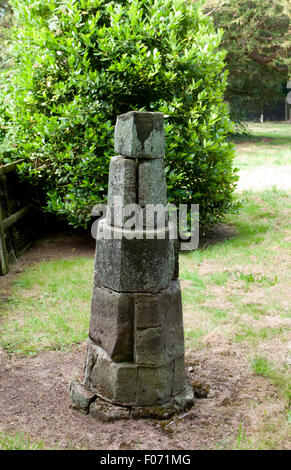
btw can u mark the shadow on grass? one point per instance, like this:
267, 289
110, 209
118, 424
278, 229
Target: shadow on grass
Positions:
264, 139
218, 234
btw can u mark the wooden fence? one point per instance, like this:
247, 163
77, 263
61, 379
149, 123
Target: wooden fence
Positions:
17, 225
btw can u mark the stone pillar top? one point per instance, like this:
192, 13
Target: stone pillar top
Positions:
140, 135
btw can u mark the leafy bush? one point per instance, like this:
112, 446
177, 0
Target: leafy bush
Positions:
80, 63
5, 66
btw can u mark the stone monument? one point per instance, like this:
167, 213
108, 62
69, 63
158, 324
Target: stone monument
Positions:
135, 356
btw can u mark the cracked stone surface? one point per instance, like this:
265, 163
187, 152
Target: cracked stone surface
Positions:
134, 265
111, 324
140, 135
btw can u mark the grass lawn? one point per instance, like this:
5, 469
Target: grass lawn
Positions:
236, 297
50, 307
18, 441
265, 144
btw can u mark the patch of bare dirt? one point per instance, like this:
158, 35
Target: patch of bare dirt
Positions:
59, 245
34, 398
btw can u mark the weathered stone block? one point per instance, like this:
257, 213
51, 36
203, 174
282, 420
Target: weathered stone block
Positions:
152, 194
150, 347
121, 189
140, 135
133, 265
185, 399
107, 412
152, 187
154, 385
111, 325
146, 312
176, 252
112, 381
162, 309
153, 216
170, 303
179, 378
96, 280
91, 354
80, 397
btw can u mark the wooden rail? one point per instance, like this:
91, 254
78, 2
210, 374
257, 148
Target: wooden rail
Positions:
9, 167
14, 238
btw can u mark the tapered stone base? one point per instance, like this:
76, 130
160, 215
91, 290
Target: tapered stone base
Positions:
131, 383
135, 357
89, 403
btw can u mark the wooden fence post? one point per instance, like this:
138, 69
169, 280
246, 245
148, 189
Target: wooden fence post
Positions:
11, 212
3, 250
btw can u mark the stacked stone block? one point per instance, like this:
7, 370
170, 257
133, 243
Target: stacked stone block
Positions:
135, 356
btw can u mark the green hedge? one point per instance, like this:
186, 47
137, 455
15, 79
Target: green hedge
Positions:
78, 64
